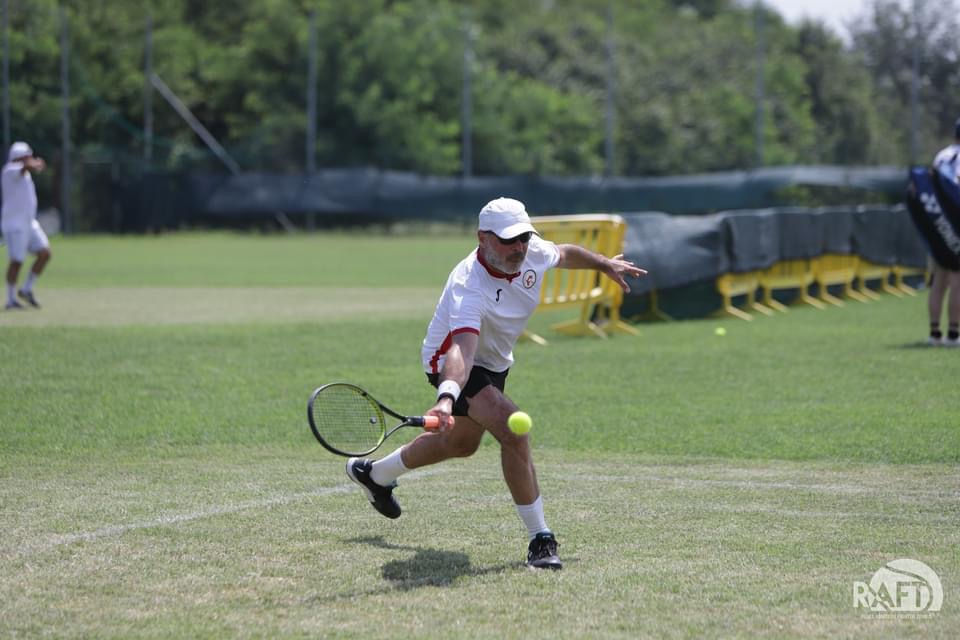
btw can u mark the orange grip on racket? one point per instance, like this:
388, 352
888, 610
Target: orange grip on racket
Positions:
433, 422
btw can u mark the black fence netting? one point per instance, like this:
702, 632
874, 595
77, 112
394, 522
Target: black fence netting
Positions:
157, 200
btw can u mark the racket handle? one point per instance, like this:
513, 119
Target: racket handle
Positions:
432, 423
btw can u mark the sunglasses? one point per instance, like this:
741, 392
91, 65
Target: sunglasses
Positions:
523, 237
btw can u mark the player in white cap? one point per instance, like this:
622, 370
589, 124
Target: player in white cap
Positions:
467, 353
18, 220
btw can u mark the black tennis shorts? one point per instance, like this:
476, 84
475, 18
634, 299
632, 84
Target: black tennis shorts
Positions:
479, 378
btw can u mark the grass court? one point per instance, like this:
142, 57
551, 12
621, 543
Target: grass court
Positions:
158, 478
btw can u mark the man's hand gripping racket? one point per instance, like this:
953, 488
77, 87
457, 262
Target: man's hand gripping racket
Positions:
350, 422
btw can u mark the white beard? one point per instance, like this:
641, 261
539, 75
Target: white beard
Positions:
494, 260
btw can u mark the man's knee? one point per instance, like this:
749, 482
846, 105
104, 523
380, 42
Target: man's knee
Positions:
493, 410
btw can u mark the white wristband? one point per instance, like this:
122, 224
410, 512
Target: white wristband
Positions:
448, 388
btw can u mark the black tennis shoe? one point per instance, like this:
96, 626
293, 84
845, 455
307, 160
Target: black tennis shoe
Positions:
28, 297
542, 552
358, 470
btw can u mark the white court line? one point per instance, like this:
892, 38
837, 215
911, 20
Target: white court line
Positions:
54, 541
57, 540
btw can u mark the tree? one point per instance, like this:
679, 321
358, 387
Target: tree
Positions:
850, 129
391, 77
688, 96
882, 37
400, 82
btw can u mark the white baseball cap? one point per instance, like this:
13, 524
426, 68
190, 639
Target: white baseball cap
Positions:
19, 150
505, 217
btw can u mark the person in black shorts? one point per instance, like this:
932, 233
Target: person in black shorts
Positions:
467, 354
946, 278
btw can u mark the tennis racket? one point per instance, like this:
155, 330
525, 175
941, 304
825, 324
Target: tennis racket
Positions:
348, 421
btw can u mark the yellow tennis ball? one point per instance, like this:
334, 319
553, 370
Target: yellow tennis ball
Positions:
519, 422
720, 331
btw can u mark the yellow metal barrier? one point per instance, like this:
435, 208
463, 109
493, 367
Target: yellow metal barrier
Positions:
836, 270
866, 271
849, 272
597, 297
731, 285
900, 272
788, 274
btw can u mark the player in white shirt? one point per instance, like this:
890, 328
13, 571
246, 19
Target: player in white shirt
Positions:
18, 221
947, 164
947, 160
467, 353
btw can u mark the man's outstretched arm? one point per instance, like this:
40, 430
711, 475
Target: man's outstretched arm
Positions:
573, 256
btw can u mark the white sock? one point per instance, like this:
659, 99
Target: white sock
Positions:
386, 470
28, 285
11, 290
532, 516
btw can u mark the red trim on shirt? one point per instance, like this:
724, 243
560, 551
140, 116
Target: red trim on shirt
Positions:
445, 346
494, 272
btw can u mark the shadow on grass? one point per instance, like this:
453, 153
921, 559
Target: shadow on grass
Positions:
428, 567
922, 344
425, 568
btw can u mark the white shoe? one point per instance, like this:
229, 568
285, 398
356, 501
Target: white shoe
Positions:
934, 342
947, 342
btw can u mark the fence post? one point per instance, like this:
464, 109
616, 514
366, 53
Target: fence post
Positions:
65, 153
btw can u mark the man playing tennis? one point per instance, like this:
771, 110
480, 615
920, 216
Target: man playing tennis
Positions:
467, 353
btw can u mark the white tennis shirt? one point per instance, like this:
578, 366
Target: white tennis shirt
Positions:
949, 158
19, 196
494, 307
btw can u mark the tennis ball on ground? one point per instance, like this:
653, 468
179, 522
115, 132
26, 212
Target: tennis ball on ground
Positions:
720, 331
519, 422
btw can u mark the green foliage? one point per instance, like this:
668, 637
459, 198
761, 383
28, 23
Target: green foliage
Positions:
691, 89
256, 83
884, 39
528, 128
400, 81
850, 128
391, 76
35, 74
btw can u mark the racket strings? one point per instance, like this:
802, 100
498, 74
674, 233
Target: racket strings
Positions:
347, 419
